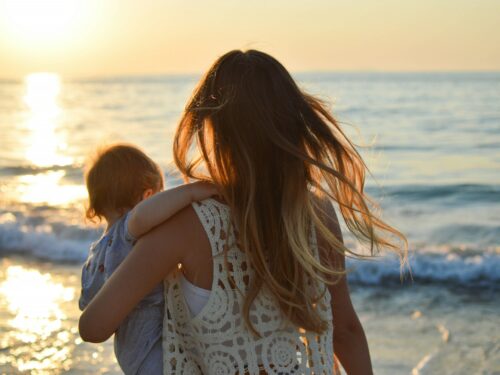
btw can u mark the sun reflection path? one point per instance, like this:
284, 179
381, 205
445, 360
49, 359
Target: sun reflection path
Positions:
45, 145
36, 338
48, 188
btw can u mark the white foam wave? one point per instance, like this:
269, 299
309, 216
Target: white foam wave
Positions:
41, 243
58, 242
437, 266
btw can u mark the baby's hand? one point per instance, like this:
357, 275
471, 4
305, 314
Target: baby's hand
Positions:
201, 190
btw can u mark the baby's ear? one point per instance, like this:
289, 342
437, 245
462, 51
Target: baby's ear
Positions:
147, 193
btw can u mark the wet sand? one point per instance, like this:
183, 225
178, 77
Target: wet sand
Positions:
412, 329
39, 322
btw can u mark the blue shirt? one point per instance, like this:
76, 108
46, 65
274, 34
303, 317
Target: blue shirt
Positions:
137, 341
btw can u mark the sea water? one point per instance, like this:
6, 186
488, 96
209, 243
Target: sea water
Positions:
430, 140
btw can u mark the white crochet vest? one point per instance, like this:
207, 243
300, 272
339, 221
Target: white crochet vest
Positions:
216, 341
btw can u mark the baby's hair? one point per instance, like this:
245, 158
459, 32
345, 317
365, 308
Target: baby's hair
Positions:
117, 177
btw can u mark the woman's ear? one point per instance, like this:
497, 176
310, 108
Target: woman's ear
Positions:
147, 193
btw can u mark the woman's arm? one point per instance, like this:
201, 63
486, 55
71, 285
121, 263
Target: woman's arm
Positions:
155, 210
349, 340
154, 256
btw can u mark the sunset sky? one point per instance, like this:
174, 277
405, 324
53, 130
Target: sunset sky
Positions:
88, 38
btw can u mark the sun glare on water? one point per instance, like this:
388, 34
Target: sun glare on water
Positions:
46, 144
37, 335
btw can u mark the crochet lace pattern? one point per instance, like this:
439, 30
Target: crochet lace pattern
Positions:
217, 341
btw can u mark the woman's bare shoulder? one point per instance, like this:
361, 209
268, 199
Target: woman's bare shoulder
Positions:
180, 234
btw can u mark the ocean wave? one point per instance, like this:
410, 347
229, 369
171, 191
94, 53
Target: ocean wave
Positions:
463, 193
451, 265
444, 265
56, 242
471, 233
72, 173
20, 170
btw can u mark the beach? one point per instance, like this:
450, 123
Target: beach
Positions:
411, 330
430, 140
39, 322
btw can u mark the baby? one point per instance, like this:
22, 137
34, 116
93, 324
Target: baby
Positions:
125, 189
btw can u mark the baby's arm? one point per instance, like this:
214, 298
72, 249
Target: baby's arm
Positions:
155, 210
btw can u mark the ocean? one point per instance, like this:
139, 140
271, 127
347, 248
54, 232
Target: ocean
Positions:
430, 140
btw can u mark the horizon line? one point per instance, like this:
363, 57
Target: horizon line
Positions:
97, 77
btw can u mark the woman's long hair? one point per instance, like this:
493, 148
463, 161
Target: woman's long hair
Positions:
268, 146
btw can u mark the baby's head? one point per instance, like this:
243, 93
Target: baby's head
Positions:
118, 178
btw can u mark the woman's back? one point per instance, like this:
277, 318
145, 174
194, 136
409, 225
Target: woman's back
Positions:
217, 340
274, 152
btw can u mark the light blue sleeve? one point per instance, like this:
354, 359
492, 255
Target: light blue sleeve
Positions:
84, 299
93, 275
119, 247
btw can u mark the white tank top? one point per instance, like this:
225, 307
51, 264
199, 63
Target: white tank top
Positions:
215, 340
196, 297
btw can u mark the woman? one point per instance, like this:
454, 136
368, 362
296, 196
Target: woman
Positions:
257, 283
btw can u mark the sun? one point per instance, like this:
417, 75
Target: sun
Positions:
40, 21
